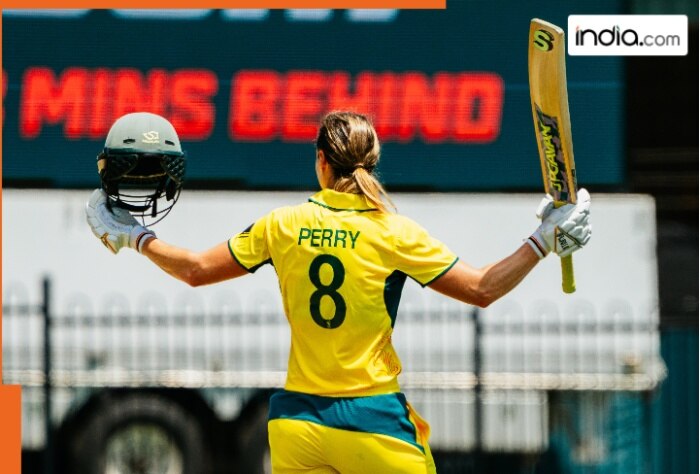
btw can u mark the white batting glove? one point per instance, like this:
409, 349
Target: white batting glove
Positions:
116, 228
565, 229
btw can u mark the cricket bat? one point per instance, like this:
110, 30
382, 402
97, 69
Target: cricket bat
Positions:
550, 112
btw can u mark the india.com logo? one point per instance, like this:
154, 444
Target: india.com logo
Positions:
618, 37
628, 35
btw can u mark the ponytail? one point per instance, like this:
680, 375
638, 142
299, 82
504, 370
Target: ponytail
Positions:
372, 189
351, 146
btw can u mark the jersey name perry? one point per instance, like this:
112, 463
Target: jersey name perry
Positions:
328, 237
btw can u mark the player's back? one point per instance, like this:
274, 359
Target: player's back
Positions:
333, 258
342, 264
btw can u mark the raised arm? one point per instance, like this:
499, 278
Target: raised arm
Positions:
563, 230
117, 228
483, 286
194, 268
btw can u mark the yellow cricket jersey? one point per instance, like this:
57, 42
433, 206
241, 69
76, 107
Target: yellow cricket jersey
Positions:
341, 265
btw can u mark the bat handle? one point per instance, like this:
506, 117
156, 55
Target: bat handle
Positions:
568, 284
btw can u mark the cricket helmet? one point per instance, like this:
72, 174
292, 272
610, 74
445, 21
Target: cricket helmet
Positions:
142, 166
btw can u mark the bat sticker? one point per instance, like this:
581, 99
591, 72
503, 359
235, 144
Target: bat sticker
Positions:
544, 40
550, 139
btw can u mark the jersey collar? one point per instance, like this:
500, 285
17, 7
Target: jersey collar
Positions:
336, 201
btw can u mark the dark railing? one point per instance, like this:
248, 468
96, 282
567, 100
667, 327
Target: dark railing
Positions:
446, 350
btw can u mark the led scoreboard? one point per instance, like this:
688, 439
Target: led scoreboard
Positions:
446, 90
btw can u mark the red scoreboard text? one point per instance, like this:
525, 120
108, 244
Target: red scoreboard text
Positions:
264, 105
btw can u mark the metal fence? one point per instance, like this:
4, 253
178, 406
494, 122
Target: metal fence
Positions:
508, 382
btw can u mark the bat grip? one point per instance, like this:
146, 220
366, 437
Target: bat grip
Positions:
567, 274
568, 284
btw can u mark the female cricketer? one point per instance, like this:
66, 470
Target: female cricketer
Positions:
342, 259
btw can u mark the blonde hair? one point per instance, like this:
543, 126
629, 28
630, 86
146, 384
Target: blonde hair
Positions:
351, 147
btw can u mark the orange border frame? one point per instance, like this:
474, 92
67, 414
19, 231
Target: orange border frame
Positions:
10, 395
403, 4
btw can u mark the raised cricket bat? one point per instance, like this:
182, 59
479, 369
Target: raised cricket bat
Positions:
550, 112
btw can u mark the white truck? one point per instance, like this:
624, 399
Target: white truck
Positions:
145, 374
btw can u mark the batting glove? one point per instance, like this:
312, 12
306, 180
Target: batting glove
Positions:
116, 228
564, 229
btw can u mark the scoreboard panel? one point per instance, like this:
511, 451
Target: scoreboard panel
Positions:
446, 89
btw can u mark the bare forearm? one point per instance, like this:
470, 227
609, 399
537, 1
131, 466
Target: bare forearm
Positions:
175, 261
501, 277
193, 268
483, 286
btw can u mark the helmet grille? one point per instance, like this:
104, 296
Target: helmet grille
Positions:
138, 181
174, 165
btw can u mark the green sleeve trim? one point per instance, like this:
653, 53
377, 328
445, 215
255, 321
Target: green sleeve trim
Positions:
230, 249
264, 262
442, 272
251, 269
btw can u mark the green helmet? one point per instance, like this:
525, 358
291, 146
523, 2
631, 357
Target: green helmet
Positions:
142, 162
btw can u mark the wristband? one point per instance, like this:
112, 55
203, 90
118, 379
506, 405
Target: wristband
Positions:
537, 246
143, 238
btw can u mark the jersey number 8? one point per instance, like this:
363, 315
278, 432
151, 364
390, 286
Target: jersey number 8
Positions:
329, 290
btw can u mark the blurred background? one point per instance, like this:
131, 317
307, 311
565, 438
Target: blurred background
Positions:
126, 371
